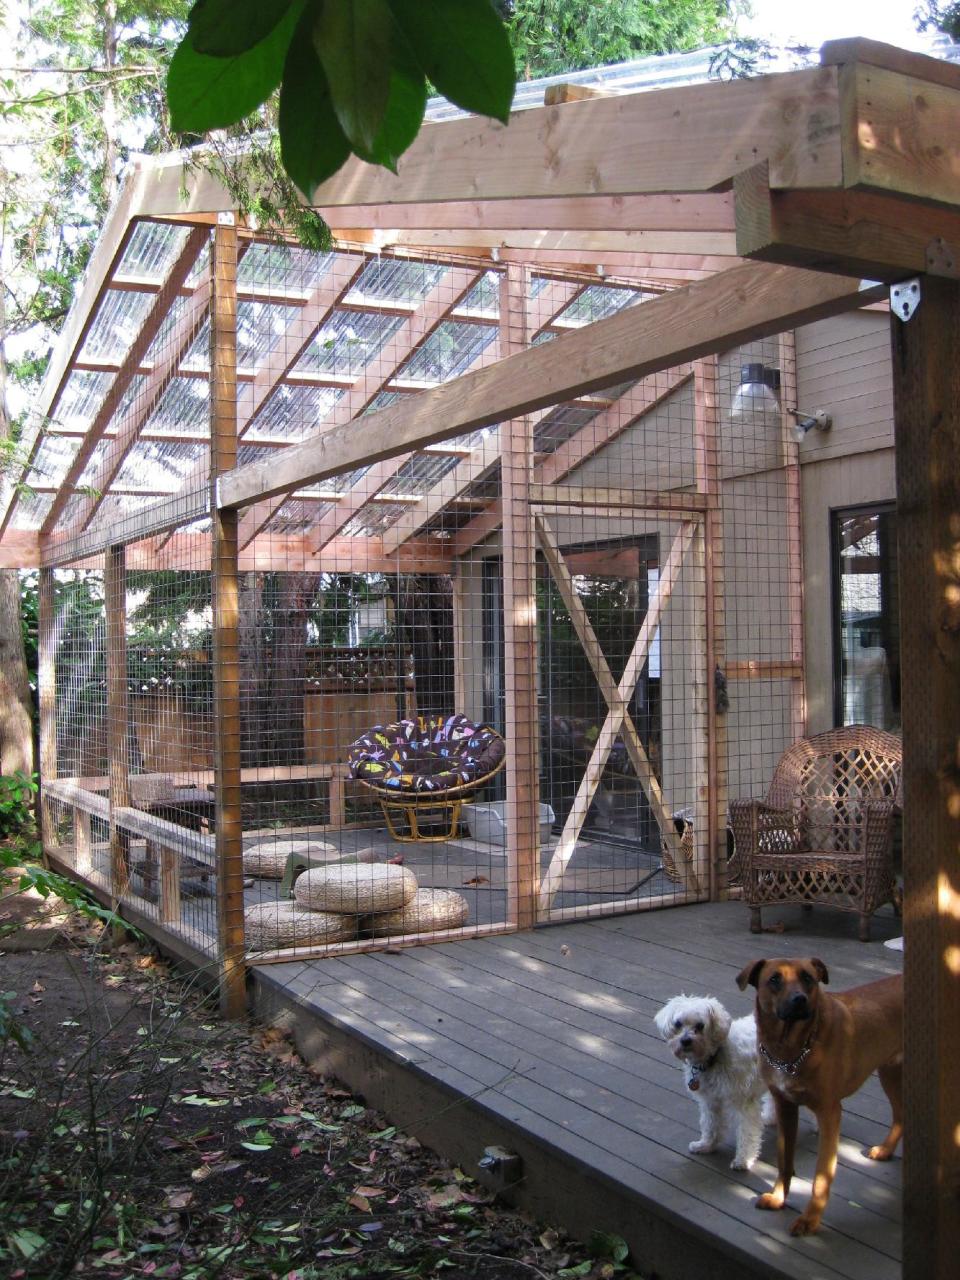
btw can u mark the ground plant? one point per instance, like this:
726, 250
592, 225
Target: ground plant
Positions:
140, 1136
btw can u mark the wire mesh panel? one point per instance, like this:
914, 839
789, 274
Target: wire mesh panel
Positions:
507, 676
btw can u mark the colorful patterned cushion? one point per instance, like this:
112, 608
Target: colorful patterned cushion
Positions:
429, 754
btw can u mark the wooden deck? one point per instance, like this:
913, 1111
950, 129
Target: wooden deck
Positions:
543, 1042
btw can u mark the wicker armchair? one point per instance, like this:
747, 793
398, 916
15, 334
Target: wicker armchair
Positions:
824, 833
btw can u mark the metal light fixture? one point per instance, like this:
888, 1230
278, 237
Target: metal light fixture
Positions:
819, 420
756, 399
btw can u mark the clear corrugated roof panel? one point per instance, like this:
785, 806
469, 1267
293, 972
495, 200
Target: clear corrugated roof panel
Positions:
160, 346
449, 351
601, 300
373, 519
421, 473
347, 343
31, 510
292, 413
183, 408
382, 399
296, 516
261, 328
92, 469
283, 268
396, 280
484, 298
53, 460
152, 250
158, 467
117, 323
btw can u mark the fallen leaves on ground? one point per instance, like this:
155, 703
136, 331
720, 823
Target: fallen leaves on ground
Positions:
145, 1138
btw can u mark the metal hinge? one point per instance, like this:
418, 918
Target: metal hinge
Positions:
905, 298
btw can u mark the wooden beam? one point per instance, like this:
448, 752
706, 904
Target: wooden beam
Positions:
688, 139
226, 650
564, 497
739, 305
926, 385
554, 94
47, 698
850, 232
115, 606
583, 245
148, 330
899, 134
889, 57
710, 212
19, 549
520, 634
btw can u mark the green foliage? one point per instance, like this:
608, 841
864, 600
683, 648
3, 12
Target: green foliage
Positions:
354, 73
17, 794
936, 16
553, 36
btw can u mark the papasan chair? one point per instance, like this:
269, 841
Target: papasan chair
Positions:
424, 768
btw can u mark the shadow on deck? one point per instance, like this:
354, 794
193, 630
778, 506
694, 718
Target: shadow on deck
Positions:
543, 1043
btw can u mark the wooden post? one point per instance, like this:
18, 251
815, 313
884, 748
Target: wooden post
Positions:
226, 595
706, 409
791, 466
47, 690
115, 603
519, 626
926, 385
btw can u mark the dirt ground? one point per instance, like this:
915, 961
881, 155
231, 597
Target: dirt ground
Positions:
142, 1136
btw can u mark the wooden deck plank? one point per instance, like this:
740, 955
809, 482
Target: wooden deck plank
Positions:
548, 1034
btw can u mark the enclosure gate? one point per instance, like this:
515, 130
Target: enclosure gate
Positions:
684, 852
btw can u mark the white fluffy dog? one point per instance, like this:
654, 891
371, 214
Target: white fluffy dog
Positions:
719, 1057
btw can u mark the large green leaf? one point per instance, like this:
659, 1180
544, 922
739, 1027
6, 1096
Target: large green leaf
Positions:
312, 144
222, 28
352, 39
463, 48
211, 93
406, 105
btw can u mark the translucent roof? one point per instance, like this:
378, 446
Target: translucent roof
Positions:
301, 349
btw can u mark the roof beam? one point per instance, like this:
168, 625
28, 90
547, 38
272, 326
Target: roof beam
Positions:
850, 232
710, 212
691, 139
585, 244
735, 306
149, 329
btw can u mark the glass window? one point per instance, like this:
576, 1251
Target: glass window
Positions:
866, 617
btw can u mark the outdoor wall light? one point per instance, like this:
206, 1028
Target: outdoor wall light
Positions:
805, 422
756, 399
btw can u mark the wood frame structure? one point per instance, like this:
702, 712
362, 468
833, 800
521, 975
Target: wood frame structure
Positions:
819, 178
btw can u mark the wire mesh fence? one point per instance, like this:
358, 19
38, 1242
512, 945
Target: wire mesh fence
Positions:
515, 674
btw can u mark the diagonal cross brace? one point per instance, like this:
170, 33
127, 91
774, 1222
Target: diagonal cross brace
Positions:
617, 697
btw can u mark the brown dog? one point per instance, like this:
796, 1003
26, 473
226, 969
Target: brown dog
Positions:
816, 1049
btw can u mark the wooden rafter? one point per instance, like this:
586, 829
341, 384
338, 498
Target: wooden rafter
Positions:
734, 307
617, 696
149, 329
433, 310
553, 299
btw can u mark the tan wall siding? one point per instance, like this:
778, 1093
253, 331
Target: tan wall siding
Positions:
843, 366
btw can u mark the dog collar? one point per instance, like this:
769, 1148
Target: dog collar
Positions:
697, 1069
788, 1068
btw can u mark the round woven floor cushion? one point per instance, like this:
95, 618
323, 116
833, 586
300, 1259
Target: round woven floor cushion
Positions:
427, 754
427, 910
267, 859
287, 924
355, 889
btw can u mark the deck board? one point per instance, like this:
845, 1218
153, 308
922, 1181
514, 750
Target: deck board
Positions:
549, 1034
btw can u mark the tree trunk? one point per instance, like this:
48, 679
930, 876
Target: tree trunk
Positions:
16, 704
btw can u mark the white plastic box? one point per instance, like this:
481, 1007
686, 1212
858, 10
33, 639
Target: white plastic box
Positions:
488, 822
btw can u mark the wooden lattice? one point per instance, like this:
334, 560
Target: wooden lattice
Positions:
824, 833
